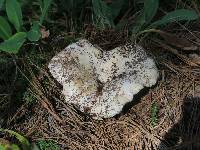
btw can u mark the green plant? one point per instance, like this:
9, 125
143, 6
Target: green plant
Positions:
104, 14
9, 147
75, 12
47, 145
154, 114
144, 21
29, 97
23, 143
12, 42
107, 15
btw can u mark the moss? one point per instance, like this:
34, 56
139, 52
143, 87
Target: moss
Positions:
48, 145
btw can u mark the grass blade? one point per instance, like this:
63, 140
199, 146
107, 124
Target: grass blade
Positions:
45, 8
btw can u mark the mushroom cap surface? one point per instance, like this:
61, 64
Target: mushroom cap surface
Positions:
101, 83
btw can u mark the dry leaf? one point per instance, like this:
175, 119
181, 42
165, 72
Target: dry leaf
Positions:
45, 33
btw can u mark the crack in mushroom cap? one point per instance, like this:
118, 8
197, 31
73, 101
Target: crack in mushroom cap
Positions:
123, 72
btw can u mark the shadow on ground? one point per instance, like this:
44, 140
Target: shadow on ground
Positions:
185, 135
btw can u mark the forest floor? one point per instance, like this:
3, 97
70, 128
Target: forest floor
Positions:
166, 116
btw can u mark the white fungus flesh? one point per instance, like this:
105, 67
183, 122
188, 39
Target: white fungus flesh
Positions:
101, 83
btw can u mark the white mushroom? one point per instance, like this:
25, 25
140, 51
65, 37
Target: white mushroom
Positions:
115, 95
73, 68
122, 73
77, 59
126, 59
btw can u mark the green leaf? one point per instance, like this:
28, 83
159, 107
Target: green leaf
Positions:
15, 147
1, 3
116, 6
34, 147
139, 23
34, 34
5, 30
103, 13
48, 145
150, 9
40, 3
2, 147
14, 13
19, 137
145, 16
13, 44
121, 24
177, 15
46, 5
154, 114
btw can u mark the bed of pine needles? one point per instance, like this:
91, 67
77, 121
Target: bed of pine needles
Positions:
166, 116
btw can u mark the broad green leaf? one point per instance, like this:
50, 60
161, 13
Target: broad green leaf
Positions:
116, 7
1, 3
15, 147
46, 5
14, 13
19, 137
150, 9
103, 13
5, 30
139, 23
177, 15
34, 34
13, 44
2, 147
145, 16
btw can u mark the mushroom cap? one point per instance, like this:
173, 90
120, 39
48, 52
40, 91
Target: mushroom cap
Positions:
75, 60
122, 73
115, 95
121, 60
